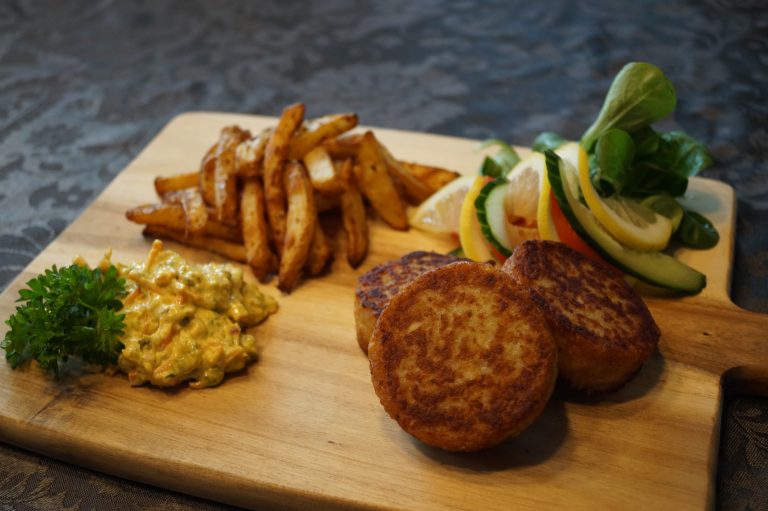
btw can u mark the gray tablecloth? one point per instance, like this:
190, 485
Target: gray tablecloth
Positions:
84, 85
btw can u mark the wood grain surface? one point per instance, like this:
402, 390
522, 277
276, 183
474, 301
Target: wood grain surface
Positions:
302, 427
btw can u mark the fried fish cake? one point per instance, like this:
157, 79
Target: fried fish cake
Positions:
602, 327
462, 359
377, 286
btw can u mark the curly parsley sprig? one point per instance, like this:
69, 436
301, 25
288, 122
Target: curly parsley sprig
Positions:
71, 311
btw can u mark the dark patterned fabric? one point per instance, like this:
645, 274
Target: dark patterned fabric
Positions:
744, 455
85, 84
28, 482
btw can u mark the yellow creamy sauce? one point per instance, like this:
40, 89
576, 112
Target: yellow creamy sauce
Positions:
184, 321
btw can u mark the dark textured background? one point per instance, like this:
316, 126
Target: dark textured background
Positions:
84, 85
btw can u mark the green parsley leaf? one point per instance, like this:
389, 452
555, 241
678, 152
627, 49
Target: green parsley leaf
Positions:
71, 311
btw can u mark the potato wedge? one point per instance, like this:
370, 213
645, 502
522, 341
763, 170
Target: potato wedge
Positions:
216, 229
169, 215
166, 184
300, 225
206, 181
218, 183
318, 130
225, 180
326, 202
415, 191
321, 171
343, 147
353, 216
224, 248
172, 215
255, 229
319, 252
191, 201
433, 177
257, 199
249, 155
377, 184
274, 161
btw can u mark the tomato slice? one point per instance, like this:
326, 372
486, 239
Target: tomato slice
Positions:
494, 251
566, 233
496, 254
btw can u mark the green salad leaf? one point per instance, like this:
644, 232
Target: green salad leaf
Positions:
500, 163
547, 140
615, 152
680, 154
696, 231
646, 141
639, 96
628, 157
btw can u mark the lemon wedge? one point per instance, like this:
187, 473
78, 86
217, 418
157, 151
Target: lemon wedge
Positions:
441, 211
473, 243
544, 220
632, 224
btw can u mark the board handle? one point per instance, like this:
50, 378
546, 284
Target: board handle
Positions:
718, 337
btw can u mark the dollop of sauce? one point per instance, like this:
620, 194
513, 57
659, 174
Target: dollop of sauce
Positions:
184, 321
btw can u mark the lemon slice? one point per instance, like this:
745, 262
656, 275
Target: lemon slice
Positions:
473, 243
632, 224
441, 211
544, 220
667, 207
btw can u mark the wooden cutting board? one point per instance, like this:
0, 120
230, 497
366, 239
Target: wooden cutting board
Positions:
303, 428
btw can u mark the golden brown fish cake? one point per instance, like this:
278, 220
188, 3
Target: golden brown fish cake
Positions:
377, 286
462, 359
602, 327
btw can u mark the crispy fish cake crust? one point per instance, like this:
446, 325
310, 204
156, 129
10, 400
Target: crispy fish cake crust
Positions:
377, 286
602, 327
462, 359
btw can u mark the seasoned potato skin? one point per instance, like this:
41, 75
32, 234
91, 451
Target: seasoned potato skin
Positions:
462, 359
604, 330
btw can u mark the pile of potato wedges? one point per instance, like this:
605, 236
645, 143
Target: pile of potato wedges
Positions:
256, 197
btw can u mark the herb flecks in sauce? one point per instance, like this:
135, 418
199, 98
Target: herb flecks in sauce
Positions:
184, 322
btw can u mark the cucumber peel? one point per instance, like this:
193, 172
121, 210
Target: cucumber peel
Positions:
490, 213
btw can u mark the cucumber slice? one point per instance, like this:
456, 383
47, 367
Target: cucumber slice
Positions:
491, 215
653, 268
